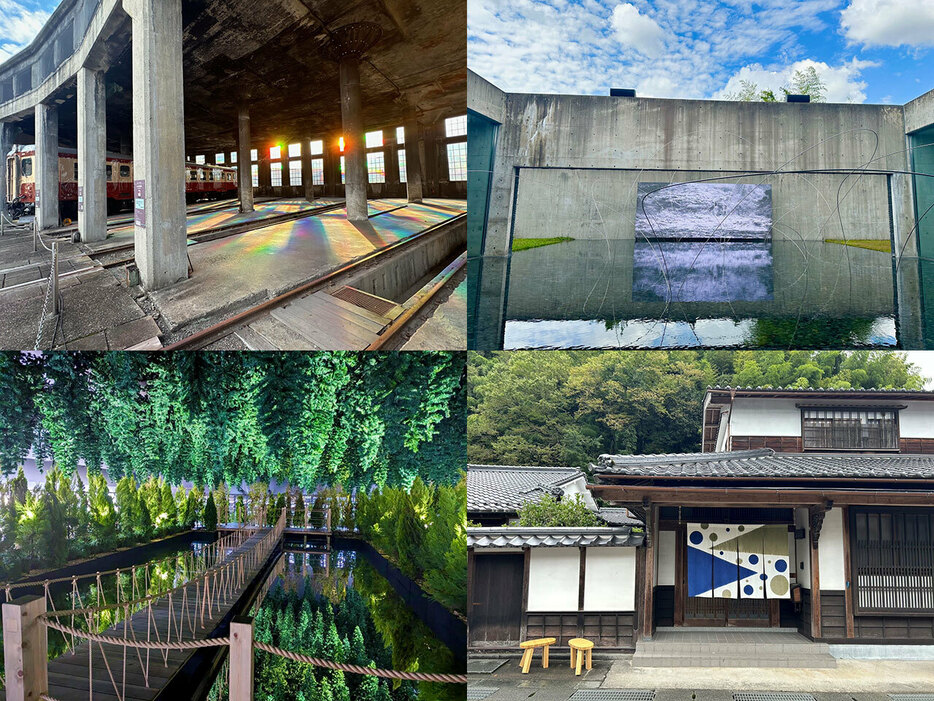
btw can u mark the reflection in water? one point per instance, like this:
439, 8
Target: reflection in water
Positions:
317, 604
581, 294
712, 271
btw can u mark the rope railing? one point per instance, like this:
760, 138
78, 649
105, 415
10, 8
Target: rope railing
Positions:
360, 669
183, 610
182, 617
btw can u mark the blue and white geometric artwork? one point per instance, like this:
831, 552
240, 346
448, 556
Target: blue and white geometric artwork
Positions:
738, 561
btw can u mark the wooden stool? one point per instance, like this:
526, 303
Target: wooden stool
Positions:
529, 647
579, 645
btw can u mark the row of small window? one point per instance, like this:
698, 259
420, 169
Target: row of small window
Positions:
457, 155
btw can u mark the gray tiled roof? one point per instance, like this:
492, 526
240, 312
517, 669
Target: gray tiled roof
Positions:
829, 390
552, 537
765, 462
505, 488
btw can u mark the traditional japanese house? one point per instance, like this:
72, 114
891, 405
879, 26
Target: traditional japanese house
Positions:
531, 582
808, 510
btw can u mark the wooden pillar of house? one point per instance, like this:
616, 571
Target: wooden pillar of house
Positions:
523, 619
847, 573
581, 576
815, 522
648, 589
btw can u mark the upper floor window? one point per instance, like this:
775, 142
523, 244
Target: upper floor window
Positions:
850, 429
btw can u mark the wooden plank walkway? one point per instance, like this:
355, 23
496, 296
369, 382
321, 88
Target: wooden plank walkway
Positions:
69, 673
322, 320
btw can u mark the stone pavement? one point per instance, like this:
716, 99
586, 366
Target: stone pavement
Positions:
852, 680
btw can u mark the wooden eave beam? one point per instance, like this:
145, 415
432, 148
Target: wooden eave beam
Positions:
722, 496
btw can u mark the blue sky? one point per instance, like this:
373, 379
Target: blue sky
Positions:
20, 20
864, 50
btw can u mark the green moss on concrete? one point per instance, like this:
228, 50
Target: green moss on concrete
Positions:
524, 244
881, 245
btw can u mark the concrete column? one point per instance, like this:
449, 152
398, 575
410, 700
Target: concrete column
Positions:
413, 159
265, 174
354, 158
25, 649
244, 169
92, 155
307, 180
158, 142
391, 158
46, 166
6, 140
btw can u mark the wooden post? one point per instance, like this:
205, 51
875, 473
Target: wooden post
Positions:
847, 576
815, 523
648, 593
25, 649
241, 659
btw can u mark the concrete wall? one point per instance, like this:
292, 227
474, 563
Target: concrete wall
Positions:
554, 577
485, 98
610, 579
53, 58
830, 552
601, 204
919, 113
585, 133
752, 416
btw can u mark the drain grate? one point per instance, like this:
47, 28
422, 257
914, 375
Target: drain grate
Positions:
612, 695
478, 693
375, 304
911, 697
771, 696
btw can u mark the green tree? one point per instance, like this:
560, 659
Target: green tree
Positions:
103, 516
210, 514
549, 512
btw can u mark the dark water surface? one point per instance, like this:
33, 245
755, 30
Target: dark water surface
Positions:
620, 294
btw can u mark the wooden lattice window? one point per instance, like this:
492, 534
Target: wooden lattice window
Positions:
850, 429
893, 560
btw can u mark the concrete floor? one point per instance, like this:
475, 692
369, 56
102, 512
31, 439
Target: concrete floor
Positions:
240, 271
200, 220
852, 680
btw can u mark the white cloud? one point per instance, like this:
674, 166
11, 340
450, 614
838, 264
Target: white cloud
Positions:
634, 29
889, 22
555, 46
842, 82
18, 27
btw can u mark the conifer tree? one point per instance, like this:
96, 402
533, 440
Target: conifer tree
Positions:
210, 514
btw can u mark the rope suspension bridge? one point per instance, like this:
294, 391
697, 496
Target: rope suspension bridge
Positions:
129, 648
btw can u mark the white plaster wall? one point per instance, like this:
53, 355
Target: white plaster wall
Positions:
917, 420
610, 579
830, 551
554, 579
802, 549
665, 563
579, 486
752, 416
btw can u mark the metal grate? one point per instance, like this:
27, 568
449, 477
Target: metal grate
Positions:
911, 697
771, 696
477, 693
478, 666
613, 695
375, 304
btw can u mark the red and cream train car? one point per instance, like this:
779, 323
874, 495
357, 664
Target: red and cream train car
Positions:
201, 182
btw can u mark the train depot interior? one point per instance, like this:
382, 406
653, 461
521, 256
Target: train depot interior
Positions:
210, 176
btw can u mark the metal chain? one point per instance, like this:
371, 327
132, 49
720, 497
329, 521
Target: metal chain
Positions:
45, 306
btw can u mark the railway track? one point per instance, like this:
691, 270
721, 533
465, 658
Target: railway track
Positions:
397, 317
219, 232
